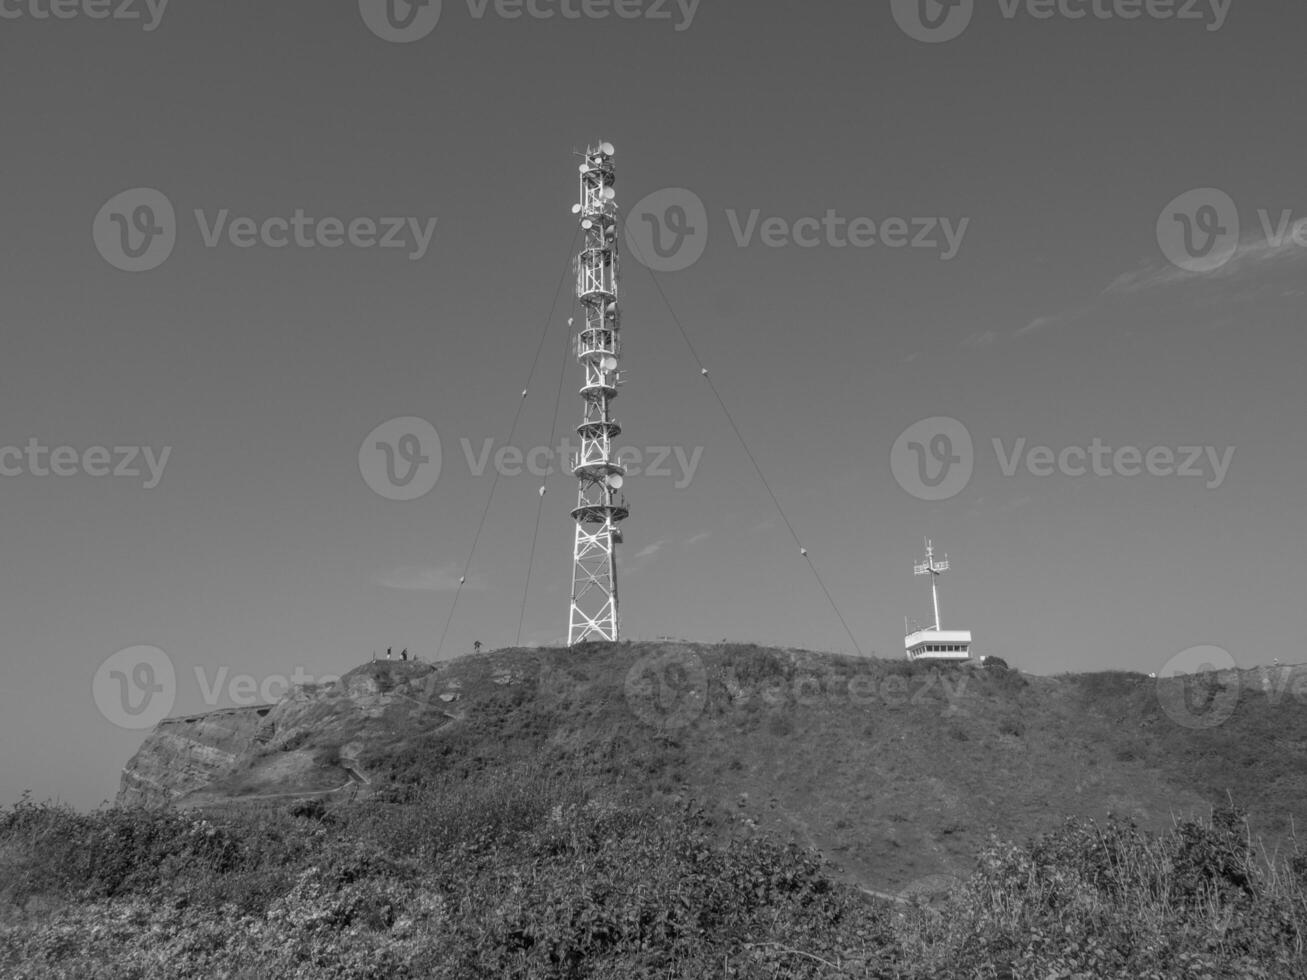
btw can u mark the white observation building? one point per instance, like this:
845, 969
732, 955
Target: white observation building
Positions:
933, 642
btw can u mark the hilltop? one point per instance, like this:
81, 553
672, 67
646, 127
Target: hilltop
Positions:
891, 770
665, 810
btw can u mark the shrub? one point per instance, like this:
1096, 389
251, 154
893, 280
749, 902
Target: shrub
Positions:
512, 874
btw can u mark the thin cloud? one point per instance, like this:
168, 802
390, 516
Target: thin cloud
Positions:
641, 559
1050, 320
983, 339
702, 535
1037, 324
425, 578
1255, 254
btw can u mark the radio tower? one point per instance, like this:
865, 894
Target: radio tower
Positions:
600, 509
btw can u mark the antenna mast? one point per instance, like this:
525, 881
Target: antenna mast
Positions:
600, 509
932, 568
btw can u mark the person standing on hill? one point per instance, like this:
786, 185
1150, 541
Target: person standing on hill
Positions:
387, 653
403, 654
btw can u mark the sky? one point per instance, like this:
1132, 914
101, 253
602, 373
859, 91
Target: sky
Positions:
986, 282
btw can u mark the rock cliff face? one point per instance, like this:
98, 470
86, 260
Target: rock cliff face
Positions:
185, 754
305, 745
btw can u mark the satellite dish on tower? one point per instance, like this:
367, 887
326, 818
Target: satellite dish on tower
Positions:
609, 193
576, 209
607, 149
616, 480
587, 224
584, 167
609, 363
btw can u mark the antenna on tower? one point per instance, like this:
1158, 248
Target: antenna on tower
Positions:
932, 568
600, 509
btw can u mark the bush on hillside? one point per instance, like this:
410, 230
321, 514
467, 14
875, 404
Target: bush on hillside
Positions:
514, 875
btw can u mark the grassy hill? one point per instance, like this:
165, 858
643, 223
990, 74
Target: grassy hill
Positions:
893, 770
680, 810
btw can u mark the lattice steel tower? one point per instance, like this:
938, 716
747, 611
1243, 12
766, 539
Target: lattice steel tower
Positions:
600, 508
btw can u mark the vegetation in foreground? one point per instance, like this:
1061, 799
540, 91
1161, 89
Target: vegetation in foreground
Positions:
516, 877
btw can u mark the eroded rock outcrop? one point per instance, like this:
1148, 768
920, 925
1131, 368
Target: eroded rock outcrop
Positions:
308, 743
184, 754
